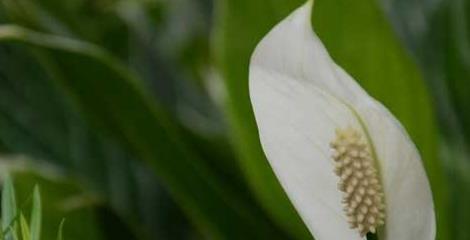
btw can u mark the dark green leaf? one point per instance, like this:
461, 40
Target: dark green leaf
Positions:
361, 40
114, 101
36, 120
77, 18
441, 44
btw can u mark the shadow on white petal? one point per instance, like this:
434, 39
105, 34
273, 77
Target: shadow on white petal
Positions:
296, 124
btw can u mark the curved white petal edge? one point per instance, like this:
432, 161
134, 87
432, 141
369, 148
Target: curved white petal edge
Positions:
300, 97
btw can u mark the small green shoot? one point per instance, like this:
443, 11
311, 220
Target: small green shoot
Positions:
12, 217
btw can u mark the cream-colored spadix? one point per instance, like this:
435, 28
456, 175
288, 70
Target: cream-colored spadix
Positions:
345, 162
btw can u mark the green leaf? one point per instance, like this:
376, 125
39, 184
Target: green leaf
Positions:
13, 232
72, 18
8, 209
441, 46
59, 232
25, 233
240, 25
362, 41
115, 101
36, 215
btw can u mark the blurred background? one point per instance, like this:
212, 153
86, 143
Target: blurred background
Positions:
133, 116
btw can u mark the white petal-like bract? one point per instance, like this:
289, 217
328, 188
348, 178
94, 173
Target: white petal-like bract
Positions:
300, 97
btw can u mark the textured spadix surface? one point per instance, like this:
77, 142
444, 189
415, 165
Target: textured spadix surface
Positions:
359, 180
300, 98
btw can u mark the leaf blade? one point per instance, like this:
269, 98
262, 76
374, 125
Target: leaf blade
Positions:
9, 210
36, 215
25, 233
60, 230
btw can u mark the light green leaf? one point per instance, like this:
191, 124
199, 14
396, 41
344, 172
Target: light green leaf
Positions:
59, 232
13, 232
36, 215
8, 209
25, 233
63, 198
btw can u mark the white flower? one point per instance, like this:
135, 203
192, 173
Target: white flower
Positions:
345, 162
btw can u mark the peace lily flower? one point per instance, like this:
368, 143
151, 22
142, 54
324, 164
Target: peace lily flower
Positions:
345, 162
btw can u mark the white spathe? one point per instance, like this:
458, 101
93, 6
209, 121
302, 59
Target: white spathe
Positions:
300, 97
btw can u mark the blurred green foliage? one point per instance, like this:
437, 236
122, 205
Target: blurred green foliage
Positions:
437, 35
137, 111
367, 48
